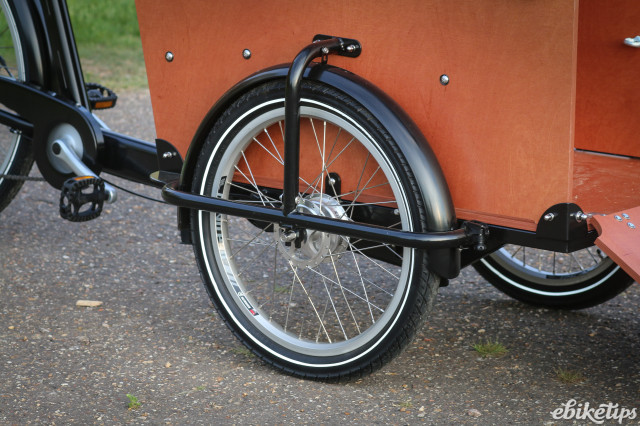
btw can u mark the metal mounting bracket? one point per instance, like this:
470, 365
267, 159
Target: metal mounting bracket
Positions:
322, 46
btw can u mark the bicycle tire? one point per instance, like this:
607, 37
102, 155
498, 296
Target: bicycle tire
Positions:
16, 156
272, 302
537, 277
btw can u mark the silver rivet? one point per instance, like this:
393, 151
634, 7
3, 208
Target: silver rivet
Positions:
351, 48
626, 216
631, 225
169, 154
325, 50
168, 56
396, 212
332, 181
618, 218
580, 216
444, 79
549, 217
246, 53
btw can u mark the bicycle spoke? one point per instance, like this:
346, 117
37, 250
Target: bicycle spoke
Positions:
342, 290
309, 299
364, 288
551, 263
274, 146
573, 256
262, 231
253, 179
373, 261
353, 203
256, 192
249, 263
330, 163
348, 290
280, 161
335, 310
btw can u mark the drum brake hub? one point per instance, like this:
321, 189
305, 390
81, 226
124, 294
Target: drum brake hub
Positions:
309, 248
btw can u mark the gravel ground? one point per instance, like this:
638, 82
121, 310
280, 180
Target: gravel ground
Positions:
156, 336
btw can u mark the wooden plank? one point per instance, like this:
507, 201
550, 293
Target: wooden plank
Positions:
608, 88
606, 184
619, 237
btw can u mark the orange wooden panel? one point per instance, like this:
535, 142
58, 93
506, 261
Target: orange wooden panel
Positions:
608, 82
606, 184
502, 129
620, 239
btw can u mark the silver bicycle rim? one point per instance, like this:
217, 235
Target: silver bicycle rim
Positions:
331, 329
552, 269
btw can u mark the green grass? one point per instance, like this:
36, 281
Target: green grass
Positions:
134, 404
490, 349
108, 40
569, 376
242, 350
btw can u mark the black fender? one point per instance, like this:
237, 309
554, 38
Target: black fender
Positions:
433, 186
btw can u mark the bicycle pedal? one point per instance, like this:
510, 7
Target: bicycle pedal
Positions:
100, 97
82, 198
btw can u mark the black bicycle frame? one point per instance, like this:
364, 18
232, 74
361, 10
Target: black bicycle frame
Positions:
54, 92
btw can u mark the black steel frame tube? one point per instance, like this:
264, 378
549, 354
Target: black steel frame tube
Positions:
64, 55
292, 117
16, 122
446, 239
129, 158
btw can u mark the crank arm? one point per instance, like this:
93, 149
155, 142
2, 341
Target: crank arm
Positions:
61, 151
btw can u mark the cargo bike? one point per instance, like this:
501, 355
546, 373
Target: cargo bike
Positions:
334, 163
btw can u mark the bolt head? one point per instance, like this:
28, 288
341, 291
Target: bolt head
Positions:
246, 53
169, 56
444, 79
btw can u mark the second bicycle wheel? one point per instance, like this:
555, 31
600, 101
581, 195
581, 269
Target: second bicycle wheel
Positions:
556, 280
315, 304
16, 157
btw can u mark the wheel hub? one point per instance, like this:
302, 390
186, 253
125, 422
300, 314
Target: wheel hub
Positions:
309, 248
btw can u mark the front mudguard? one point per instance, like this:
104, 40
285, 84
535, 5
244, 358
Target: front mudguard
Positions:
440, 213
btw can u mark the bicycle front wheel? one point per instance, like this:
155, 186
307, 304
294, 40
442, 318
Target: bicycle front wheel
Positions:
314, 304
556, 280
16, 157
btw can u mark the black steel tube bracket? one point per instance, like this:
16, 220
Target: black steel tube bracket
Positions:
323, 46
470, 234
